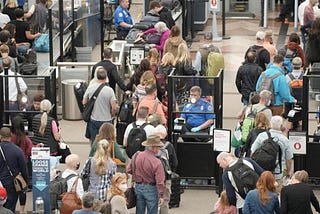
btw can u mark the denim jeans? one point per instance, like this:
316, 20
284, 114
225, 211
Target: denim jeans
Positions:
147, 197
94, 127
12, 197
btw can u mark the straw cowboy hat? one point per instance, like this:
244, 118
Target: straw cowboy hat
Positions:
153, 140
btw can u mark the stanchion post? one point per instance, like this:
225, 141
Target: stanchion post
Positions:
224, 36
295, 15
265, 12
215, 7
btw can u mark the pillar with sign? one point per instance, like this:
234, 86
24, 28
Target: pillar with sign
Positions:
41, 178
215, 7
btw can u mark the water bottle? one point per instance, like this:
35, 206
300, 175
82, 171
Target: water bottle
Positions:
39, 205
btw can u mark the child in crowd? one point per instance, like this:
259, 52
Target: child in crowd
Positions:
223, 206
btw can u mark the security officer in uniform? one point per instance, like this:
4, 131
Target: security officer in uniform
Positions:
123, 20
197, 122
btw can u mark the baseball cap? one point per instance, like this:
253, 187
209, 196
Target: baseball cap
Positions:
3, 194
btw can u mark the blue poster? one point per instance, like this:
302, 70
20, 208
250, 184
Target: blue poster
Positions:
41, 177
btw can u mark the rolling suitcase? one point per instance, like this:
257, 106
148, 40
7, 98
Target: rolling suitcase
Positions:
176, 191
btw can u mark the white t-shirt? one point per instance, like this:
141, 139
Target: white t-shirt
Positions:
148, 128
4, 19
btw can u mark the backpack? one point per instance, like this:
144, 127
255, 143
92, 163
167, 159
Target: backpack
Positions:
248, 122
245, 178
126, 110
56, 187
136, 136
268, 156
296, 87
290, 54
215, 62
163, 155
79, 90
267, 84
161, 77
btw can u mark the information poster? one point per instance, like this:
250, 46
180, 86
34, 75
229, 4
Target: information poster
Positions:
221, 140
298, 142
41, 176
136, 55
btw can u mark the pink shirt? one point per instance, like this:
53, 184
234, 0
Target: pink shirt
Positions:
149, 169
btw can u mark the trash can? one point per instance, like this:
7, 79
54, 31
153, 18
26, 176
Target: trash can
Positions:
70, 108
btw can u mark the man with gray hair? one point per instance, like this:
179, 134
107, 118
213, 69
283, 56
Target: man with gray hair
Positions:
276, 132
264, 102
87, 204
262, 54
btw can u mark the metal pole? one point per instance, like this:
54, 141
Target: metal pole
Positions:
61, 29
50, 37
224, 36
215, 37
102, 26
296, 15
265, 11
72, 27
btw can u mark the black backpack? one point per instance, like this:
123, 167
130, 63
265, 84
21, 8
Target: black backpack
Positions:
136, 136
56, 187
126, 110
244, 177
163, 155
79, 90
268, 156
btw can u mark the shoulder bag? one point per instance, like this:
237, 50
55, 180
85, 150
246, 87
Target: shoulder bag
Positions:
70, 200
22, 98
130, 193
116, 160
19, 183
86, 175
87, 111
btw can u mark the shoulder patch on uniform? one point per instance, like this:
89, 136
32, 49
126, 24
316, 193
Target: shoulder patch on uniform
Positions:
210, 108
120, 15
188, 105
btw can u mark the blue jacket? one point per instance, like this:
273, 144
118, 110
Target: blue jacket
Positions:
252, 204
281, 88
287, 64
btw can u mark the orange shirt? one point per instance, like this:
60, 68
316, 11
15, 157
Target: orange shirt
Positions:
149, 102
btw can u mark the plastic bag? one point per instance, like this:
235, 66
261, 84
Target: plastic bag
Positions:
41, 44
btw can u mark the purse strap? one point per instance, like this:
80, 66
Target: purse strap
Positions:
155, 106
74, 185
5, 160
96, 93
113, 155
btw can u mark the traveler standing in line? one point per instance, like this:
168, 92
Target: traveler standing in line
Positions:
276, 133
296, 197
225, 161
45, 128
247, 77
87, 204
102, 168
264, 198
112, 71
149, 176
118, 199
122, 20
105, 105
73, 164
13, 158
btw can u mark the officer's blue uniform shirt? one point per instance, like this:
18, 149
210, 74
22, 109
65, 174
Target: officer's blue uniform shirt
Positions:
122, 15
195, 120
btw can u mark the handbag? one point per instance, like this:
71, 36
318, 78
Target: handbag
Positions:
70, 200
19, 183
116, 160
236, 136
86, 175
130, 193
41, 44
63, 151
87, 111
22, 98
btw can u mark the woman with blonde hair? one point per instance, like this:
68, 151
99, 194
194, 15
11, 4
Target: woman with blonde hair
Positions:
102, 168
261, 124
264, 198
107, 132
173, 41
153, 57
147, 78
45, 128
164, 70
183, 65
9, 7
